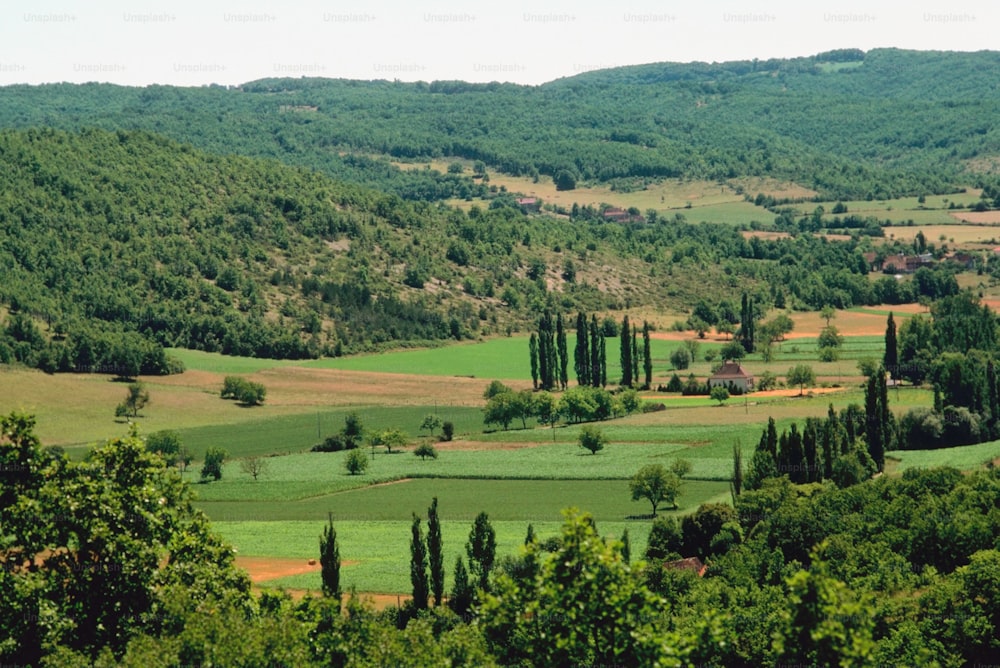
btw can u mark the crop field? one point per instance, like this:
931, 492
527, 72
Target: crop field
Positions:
518, 476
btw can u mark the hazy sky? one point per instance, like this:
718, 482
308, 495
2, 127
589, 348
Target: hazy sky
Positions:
194, 42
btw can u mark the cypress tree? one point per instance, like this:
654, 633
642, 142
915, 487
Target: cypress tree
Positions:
595, 352
552, 356
647, 355
604, 362
581, 357
481, 550
874, 425
626, 547
625, 354
435, 554
461, 597
563, 352
635, 355
544, 371
533, 351
329, 559
891, 359
418, 566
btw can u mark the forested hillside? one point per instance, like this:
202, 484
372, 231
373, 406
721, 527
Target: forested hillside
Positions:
849, 124
116, 244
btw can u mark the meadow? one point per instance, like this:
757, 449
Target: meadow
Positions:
518, 476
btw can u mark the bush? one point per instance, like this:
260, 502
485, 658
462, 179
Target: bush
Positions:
593, 439
680, 359
334, 443
212, 467
650, 407
425, 450
447, 430
356, 462
242, 390
675, 384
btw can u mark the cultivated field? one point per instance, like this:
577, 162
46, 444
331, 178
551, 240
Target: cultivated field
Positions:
518, 476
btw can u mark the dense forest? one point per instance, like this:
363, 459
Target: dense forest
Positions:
105, 562
116, 244
849, 124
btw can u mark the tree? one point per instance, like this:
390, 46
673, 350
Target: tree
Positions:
680, 467
212, 466
394, 437
430, 422
418, 566
462, 593
562, 353
481, 550
533, 353
546, 408
656, 484
747, 323
565, 180
801, 375
664, 541
447, 430
596, 345
354, 430
253, 466
626, 352
733, 351
501, 409
356, 462
584, 607
494, 388
136, 399
737, 480
891, 357
719, 393
593, 439
581, 353
166, 443
435, 552
828, 313
830, 338
647, 356
425, 450
680, 358
329, 559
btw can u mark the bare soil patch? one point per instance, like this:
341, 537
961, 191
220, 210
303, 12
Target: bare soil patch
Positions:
471, 446
978, 217
762, 234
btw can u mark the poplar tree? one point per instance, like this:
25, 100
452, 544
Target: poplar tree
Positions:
329, 559
626, 353
595, 352
533, 352
435, 553
891, 359
581, 354
418, 567
647, 355
562, 351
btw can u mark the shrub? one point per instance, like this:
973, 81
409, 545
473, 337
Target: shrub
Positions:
650, 407
447, 430
592, 439
356, 462
680, 359
212, 467
425, 450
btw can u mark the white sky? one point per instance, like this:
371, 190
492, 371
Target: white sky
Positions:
195, 42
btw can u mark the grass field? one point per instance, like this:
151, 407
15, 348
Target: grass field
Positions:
517, 476
377, 551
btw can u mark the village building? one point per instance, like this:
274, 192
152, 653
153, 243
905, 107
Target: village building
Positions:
733, 377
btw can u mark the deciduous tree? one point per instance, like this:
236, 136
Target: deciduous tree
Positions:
656, 484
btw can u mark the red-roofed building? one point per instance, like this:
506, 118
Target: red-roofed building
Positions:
692, 564
529, 204
732, 375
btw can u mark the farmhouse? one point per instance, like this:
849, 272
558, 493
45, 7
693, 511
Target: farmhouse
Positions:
619, 215
732, 376
692, 564
529, 204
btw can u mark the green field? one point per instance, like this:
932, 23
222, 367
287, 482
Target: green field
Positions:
517, 476
379, 549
